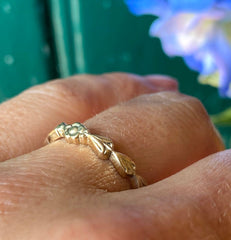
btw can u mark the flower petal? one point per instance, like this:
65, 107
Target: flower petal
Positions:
197, 30
181, 34
202, 62
190, 5
155, 7
222, 54
226, 4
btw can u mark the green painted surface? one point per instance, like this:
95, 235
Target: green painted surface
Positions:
44, 39
25, 47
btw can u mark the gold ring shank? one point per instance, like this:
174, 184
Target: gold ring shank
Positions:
103, 147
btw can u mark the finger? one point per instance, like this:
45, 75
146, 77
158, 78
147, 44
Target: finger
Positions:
162, 132
192, 204
26, 119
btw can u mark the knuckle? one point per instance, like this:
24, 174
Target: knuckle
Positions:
73, 95
189, 103
192, 108
185, 114
58, 89
197, 107
200, 122
181, 104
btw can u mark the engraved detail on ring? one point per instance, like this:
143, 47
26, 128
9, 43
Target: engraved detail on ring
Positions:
103, 147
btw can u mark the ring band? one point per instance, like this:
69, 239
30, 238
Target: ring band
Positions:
77, 133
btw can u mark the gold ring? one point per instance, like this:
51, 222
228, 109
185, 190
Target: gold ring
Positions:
77, 133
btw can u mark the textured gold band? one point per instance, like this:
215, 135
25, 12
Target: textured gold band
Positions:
77, 133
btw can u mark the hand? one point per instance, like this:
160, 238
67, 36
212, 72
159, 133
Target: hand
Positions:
63, 191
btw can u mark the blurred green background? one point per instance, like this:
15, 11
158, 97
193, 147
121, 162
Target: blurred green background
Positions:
47, 39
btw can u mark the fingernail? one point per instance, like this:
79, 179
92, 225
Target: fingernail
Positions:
162, 82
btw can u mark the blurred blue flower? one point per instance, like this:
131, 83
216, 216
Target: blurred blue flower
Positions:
198, 30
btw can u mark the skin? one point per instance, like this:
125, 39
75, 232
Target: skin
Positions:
62, 191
